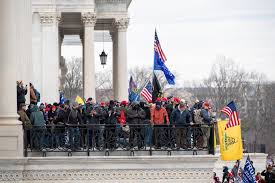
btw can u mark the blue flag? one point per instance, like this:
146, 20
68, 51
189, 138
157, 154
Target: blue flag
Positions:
61, 98
133, 91
159, 61
248, 175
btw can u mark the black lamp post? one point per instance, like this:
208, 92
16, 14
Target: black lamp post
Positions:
103, 55
103, 58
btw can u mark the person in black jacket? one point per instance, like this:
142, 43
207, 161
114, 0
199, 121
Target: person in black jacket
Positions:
206, 118
269, 174
110, 126
181, 119
74, 120
135, 119
21, 92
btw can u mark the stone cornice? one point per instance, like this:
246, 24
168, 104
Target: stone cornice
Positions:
88, 19
49, 18
121, 24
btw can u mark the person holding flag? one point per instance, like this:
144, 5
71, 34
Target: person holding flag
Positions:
248, 175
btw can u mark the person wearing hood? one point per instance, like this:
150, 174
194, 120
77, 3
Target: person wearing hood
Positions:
37, 117
136, 116
38, 122
74, 119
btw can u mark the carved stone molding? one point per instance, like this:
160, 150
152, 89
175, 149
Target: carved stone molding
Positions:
121, 24
204, 175
49, 18
89, 19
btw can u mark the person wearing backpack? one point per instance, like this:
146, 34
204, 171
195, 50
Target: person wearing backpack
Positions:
33, 99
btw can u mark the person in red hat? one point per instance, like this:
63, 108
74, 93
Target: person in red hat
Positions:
102, 104
122, 109
52, 114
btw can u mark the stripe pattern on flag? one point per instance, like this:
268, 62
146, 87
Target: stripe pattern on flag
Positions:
146, 92
231, 111
158, 49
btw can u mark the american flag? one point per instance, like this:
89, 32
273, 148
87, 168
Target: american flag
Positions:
231, 111
146, 92
158, 49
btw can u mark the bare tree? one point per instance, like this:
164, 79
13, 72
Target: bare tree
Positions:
73, 84
226, 82
104, 86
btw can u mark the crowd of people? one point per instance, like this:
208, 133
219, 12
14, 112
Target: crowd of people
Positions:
143, 122
235, 175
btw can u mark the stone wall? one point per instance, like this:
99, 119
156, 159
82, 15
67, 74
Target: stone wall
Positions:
108, 169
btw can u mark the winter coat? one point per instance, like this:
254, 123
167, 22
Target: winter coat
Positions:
158, 117
33, 98
37, 118
74, 117
24, 118
122, 117
180, 118
135, 116
269, 176
52, 115
62, 116
21, 92
206, 116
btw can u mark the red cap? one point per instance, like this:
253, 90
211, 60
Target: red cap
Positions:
124, 102
176, 100
206, 104
158, 99
102, 104
47, 109
164, 99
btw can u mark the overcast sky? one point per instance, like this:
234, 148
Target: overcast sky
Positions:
193, 33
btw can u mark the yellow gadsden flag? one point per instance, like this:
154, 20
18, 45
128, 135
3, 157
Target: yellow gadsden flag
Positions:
79, 100
230, 141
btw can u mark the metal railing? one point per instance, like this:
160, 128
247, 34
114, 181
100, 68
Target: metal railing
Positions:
108, 138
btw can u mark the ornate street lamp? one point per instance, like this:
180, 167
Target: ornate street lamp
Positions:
103, 58
103, 55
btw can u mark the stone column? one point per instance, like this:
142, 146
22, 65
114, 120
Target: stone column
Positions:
36, 51
61, 62
115, 65
24, 57
11, 36
83, 62
121, 64
50, 58
89, 20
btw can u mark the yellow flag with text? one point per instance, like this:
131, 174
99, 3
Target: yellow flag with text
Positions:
231, 146
79, 100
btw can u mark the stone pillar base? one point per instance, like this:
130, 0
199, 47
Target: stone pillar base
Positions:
11, 137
